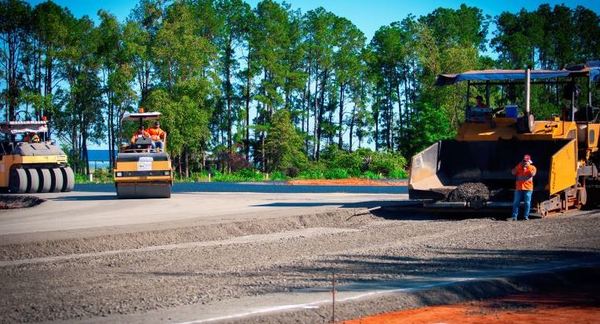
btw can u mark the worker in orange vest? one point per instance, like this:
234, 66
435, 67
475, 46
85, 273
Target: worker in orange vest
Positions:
140, 133
524, 171
157, 134
31, 138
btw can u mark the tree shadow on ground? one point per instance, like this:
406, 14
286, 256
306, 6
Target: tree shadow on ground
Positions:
384, 272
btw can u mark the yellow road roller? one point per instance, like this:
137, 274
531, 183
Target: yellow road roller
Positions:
142, 170
29, 163
492, 140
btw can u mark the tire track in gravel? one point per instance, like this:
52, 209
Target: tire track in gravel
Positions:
258, 238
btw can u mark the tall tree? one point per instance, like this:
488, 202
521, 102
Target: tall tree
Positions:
234, 15
15, 17
184, 57
116, 75
348, 65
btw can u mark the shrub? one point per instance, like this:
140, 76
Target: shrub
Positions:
385, 163
244, 175
102, 175
336, 173
292, 172
315, 170
278, 176
398, 174
370, 175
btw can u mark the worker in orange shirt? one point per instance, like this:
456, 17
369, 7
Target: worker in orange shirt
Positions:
31, 138
140, 133
524, 171
157, 134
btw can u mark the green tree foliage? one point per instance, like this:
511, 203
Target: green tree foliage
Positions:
15, 25
271, 87
283, 145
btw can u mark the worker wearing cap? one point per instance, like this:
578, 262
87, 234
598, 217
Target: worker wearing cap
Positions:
140, 133
157, 135
480, 112
524, 172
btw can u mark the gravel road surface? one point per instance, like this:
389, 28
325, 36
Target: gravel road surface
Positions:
201, 256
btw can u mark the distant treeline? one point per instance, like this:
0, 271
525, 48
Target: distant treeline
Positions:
269, 87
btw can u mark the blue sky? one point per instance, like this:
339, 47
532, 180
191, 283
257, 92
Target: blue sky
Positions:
367, 15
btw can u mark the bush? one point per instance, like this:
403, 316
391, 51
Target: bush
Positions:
398, 174
102, 176
311, 174
386, 163
244, 175
81, 178
370, 175
315, 170
278, 176
336, 173
201, 176
292, 172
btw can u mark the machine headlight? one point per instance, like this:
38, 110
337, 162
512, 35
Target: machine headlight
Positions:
119, 174
167, 173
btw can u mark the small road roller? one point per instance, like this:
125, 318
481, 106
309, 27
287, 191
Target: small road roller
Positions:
31, 164
142, 170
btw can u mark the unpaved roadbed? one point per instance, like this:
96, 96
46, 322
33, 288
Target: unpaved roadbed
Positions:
108, 277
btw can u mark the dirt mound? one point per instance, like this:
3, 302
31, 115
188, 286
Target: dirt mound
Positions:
13, 202
470, 191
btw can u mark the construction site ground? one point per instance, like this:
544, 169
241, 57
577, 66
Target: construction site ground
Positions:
270, 253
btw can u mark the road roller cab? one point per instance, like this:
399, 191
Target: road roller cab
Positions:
564, 147
142, 170
29, 163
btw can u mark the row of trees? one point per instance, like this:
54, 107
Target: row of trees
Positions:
268, 87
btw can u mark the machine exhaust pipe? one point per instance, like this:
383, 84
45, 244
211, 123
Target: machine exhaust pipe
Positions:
527, 92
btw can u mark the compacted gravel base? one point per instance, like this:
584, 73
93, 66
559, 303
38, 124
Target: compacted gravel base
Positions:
129, 273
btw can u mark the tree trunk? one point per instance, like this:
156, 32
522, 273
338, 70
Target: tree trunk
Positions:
248, 83
320, 114
400, 121
187, 164
179, 165
376, 117
48, 92
352, 121
316, 112
228, 94
340, 133
306, 106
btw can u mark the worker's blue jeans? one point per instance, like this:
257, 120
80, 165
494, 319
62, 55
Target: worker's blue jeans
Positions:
525, 196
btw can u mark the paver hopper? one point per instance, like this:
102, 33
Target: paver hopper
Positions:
564, 151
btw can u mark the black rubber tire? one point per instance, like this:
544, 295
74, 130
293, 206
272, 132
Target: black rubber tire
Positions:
18, 181
45, 180
57, 180
33, 180
69, 179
